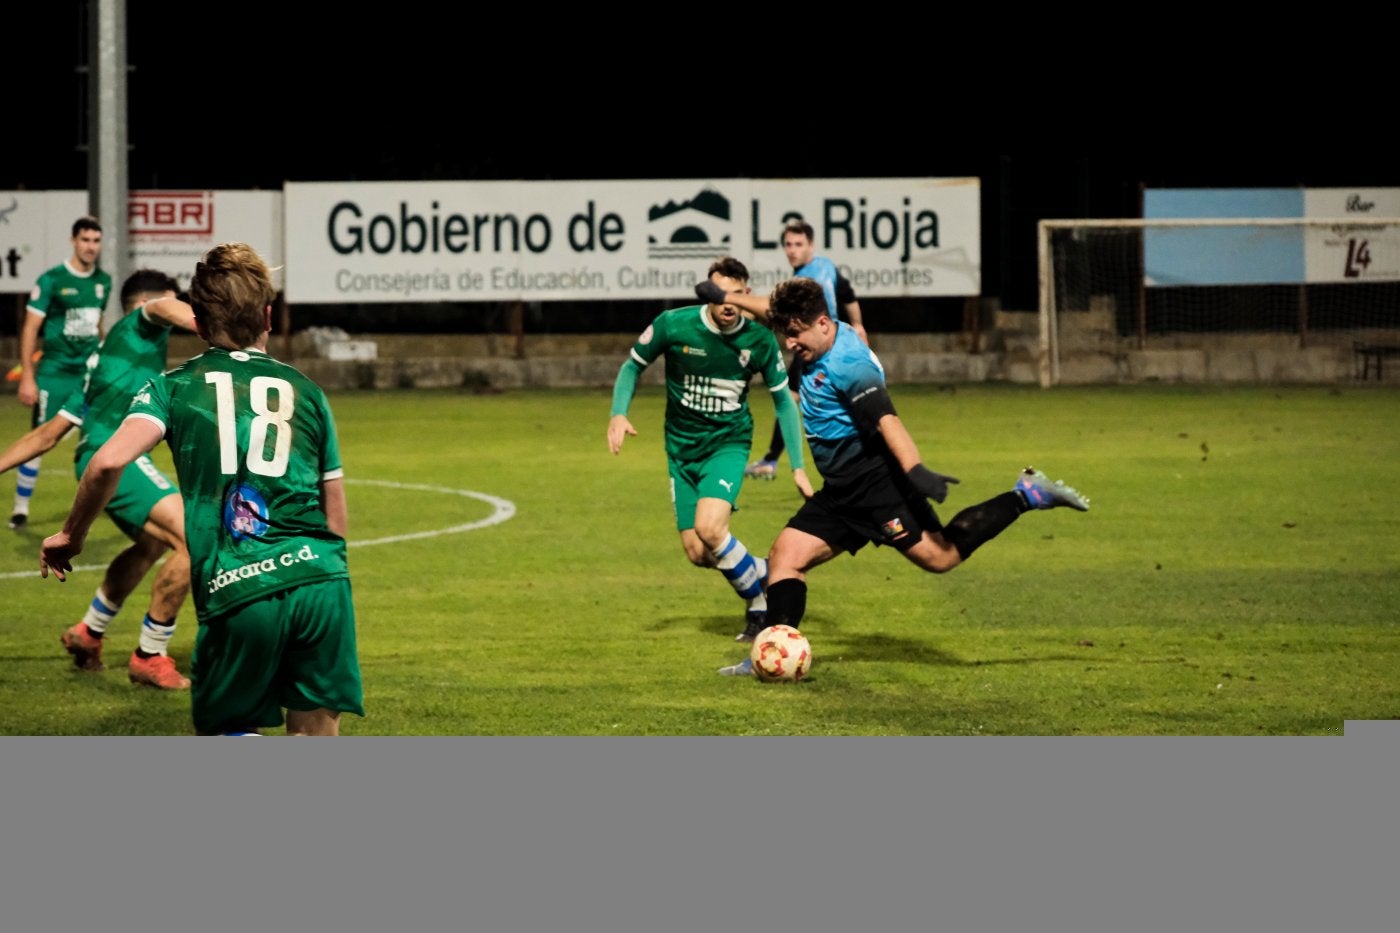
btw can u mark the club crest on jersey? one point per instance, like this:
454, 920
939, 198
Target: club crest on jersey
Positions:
744, 357
245, 512
819, 378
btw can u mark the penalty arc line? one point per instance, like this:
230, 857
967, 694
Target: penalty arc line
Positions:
503, 511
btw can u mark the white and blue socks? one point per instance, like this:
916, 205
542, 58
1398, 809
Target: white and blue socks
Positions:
100, 613
155, 636
744, 572
28, 474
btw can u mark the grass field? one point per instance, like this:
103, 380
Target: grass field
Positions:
1239, 574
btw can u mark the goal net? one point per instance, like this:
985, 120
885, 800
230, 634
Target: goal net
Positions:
1144, 284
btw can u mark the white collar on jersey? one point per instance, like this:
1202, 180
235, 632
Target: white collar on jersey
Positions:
714, 328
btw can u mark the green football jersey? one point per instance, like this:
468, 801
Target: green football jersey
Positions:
133, 353
708, 372
252, 438
71, 303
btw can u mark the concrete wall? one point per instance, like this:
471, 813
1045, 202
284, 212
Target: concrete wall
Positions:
1007, 350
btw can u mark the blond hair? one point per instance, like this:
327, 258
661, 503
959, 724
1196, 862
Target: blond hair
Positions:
231, 291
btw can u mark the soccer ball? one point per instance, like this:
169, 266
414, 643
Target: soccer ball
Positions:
780, 652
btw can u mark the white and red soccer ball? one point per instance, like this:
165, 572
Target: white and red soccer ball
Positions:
780, 652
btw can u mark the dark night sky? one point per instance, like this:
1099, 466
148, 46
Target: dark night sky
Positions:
255, 95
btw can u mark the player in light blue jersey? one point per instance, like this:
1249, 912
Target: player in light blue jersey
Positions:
875, 485
800, 248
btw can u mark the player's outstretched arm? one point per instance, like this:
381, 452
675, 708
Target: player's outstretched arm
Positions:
171, 312
36, 443
755, 305
99, 481
906, 452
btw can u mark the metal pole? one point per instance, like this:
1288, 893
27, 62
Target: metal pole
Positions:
107, 155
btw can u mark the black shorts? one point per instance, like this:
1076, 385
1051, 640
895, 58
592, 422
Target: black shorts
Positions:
875, 511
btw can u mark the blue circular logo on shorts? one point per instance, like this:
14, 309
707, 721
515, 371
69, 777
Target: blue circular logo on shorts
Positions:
245, 512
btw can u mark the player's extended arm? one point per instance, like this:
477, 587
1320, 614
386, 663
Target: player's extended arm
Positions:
337, 512
790, 424
901, 444
170, 311
28, 339
36, 443
623, 390
99, 481
710, 293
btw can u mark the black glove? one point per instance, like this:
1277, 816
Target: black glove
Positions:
710, 293
931, 484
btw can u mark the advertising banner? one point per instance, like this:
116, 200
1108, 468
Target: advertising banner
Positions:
609, 240
167, 230
1362, 244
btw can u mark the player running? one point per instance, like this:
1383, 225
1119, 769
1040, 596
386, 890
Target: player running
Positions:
712, 352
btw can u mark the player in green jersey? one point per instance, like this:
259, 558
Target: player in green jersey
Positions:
258, 463
712, 352
64, 322
147, 507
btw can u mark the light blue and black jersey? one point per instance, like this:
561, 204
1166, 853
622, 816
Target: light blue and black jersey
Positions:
829, 386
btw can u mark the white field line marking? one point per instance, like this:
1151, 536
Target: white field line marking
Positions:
504, 510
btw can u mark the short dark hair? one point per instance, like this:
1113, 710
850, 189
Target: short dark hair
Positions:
798, 299
86, 222
730, 268
147, 280
798, 225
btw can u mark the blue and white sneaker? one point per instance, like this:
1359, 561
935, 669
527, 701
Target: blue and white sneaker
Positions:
743, 669
762, 469
1039, 493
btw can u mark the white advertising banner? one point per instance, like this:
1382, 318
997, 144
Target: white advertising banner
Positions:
609, 240
1356, 248
167, 230
170, 230
36, 232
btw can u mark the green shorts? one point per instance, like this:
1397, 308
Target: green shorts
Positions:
718, 476
141, 486
292, 650
53, 392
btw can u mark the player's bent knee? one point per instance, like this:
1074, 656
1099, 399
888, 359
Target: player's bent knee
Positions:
933, 558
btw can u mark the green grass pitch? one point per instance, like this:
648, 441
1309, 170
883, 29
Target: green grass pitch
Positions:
1239, 574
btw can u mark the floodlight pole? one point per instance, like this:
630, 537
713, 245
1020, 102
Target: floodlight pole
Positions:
107, 139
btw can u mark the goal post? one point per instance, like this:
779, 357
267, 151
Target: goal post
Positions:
1136, 284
